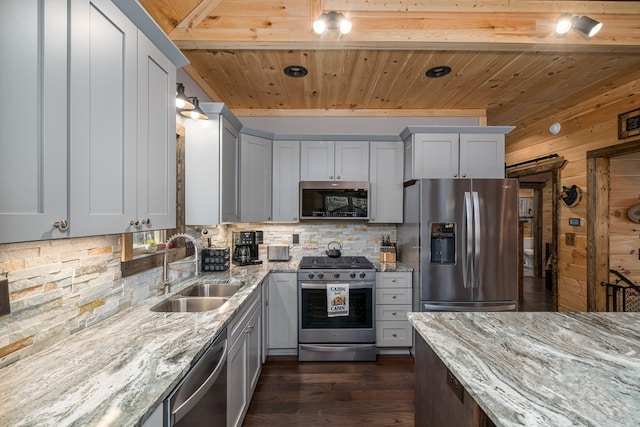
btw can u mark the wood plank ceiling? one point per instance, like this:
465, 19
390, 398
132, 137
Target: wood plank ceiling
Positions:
505, 57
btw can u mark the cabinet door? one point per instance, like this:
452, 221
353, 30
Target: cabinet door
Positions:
286, 177
228, 172
352, 161
386, 182
255, 179
317, 160
156, 137
435, 155
33, 147
283, 311
103, 132
202, 180
482, 155
237, 379
254, 350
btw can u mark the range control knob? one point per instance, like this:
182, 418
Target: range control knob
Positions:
336, 275
310, 275
362, 275
352, 275
320, 275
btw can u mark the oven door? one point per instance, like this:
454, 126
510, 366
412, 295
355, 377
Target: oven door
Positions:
315, 325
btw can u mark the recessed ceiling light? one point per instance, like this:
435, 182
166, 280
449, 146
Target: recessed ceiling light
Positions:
295, 71
439, 71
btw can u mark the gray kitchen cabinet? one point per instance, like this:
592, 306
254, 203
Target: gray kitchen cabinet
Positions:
255, 178
454, 152
282, 334
211, 167
286, 176
334, 161
386, 177
393, 302
33, 147
244, 359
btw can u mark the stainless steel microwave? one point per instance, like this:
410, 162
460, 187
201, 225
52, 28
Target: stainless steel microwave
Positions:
334, 200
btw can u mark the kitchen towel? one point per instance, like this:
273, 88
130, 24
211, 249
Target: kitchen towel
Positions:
337, 299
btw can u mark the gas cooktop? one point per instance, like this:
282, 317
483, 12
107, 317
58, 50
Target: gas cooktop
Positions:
342, 263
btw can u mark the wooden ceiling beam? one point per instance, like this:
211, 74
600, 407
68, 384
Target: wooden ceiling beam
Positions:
396, 112
199, 14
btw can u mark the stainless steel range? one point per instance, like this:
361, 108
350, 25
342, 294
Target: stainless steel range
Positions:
347, 333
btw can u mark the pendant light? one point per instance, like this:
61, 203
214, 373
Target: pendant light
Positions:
196, 113
182, 102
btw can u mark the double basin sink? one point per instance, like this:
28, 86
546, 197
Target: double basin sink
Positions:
199, 297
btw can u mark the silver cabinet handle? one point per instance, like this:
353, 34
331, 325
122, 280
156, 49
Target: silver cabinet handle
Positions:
455, 175
337, 176
394, 297
393, 313
135, 223
146, 222
464, 175
393, 280
330, 176
62, 225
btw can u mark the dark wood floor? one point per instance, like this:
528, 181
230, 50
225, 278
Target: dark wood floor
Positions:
290, 393
536, 296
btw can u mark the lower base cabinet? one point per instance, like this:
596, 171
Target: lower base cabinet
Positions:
282, 333
244, 359
393, 302
440, 399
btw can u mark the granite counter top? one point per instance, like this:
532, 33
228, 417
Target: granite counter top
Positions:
117, 372
542, 369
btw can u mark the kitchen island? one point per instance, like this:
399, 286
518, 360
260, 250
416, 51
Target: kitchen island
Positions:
530, 369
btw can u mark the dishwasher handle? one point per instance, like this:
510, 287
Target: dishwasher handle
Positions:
191, 401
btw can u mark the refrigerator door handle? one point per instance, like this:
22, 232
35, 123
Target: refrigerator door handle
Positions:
467, 253
477, 249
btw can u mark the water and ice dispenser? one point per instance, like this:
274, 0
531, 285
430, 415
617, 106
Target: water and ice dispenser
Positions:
443, 243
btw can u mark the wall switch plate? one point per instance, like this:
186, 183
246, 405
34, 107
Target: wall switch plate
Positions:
5, 306
296, 239
570, 239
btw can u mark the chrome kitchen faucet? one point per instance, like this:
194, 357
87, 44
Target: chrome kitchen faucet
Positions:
166, 284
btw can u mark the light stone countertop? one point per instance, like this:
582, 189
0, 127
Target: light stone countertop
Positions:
119, 370
542, 369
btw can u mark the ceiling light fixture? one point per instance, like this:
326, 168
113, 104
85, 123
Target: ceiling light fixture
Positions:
332, 21
583, 24
439, 71
196, 113
182, 101
295, 71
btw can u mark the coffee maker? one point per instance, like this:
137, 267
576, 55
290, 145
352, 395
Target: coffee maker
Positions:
245, 247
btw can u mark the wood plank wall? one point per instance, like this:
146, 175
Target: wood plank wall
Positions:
585, 127
624, 235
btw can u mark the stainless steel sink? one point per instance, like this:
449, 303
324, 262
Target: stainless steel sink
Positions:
211, 290
189, 304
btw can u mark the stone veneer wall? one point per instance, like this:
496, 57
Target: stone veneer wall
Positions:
59, 287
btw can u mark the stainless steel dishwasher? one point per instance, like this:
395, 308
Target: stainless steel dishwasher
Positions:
200, 399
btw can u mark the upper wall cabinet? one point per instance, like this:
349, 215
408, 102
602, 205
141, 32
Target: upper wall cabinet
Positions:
386, 182
211, 167
454, 152
255, 178
104, 95
334, 161
286, 176
33, 147
122, 125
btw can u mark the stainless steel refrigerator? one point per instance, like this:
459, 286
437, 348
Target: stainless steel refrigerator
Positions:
461, 238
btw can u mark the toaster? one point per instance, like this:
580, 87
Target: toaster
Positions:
278, 253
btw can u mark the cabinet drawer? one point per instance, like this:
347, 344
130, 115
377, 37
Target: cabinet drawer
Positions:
393, 334
393, 296
393, 280
392, 312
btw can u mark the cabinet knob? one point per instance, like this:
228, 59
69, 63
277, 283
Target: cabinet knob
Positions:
455, 175
394, 335
393, 313
393, 280
330, 176
464, 175
394, 297
146, 222
135, 223
62, 225
295, 218
337, 176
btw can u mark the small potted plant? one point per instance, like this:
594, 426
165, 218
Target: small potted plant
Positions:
150, 246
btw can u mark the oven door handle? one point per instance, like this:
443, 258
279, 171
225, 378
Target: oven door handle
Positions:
367, 285
333, 349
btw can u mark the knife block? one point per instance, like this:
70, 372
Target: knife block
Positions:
388, 253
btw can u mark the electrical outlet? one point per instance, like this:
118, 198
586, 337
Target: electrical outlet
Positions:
296, 239
570, 239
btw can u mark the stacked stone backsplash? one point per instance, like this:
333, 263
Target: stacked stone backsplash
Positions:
59, 287
356, 238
